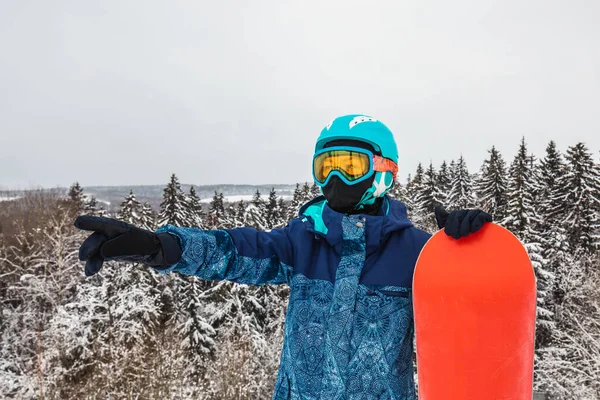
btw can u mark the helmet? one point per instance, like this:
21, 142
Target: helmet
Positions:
360, 127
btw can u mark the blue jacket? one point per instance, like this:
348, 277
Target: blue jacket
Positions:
349, 325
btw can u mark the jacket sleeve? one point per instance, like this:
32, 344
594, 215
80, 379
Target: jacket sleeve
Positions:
241, 255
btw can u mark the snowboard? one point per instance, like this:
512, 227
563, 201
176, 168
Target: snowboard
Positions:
474, 305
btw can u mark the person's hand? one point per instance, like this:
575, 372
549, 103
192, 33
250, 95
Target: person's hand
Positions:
461, 223
114, 240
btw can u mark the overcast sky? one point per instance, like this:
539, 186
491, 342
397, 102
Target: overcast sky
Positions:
127, 92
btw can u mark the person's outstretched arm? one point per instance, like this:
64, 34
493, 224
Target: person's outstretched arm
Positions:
242, 255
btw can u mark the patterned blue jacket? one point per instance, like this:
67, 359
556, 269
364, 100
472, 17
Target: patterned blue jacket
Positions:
349, 325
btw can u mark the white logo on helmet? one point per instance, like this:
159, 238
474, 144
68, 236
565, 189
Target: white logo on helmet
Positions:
360, 119
331, 123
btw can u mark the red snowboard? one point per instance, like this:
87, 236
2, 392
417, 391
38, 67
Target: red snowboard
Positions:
475, 305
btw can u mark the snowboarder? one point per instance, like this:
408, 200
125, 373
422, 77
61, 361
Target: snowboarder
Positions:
348, 258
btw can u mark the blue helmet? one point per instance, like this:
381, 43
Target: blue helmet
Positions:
369, 130
363, 128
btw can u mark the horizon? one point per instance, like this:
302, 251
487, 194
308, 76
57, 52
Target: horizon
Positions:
402, 178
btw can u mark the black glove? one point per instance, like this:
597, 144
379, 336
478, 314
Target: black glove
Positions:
114, 240
460, 223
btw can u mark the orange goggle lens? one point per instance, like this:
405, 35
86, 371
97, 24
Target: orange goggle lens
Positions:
351, 164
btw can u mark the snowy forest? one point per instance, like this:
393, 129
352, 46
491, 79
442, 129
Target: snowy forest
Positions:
131, 333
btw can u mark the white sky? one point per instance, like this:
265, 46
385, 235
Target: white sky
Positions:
127, 92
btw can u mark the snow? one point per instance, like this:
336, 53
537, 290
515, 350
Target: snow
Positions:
126, 326
9, 198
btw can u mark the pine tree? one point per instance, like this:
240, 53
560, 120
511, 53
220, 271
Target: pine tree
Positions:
130, 210
194, 209
461, 191
425, 200
307, 194
315, 191
394, 192
523, 221
147, 217
216, 212
425, 192
582, 188
273, 214
283, 211
173, 209
197, 332
76, 198
255, 213
552, 210
92, 207
521, 213
240, 212
552, 204
491, 185
443, 184
296, 203
401, 192
413, 186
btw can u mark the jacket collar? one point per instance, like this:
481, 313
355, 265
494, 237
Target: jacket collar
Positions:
325, 222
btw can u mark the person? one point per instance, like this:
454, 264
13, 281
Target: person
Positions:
348, 258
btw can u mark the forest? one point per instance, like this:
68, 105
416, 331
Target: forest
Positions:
132, 333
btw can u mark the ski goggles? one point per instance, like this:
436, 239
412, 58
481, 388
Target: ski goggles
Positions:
351, 164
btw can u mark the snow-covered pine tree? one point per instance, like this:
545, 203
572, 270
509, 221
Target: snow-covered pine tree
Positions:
256, 212
491, 185
273, 215
76, 197
521, 213
197, 333
398, 192
92, 207
216, 212
194, 209
130, 210
552, 202
523, 221
413, 184
307, 194
425, 200
582, 188
283, 211
394, 192
240, 211
296, 203
443, 184
405, 195
552, 210
315, 190
173, 209
147, 217
461, 190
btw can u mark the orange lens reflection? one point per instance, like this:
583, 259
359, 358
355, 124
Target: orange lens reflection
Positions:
352, 165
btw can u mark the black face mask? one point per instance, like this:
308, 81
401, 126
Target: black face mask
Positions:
344, 198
